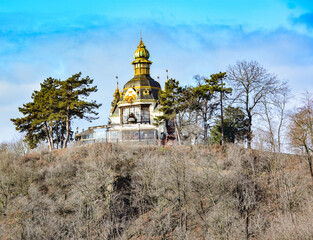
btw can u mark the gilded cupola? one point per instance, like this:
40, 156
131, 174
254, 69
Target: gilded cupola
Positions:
141, 63
141, 88
141, 51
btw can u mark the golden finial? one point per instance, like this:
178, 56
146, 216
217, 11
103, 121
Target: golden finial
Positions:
141, 44
166, 74
116, 81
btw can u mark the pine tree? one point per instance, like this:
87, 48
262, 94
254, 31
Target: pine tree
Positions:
207, 103
235, 126
32, 124
170, 100
39, 115
53, 108
205, 106
216, 84
73, 104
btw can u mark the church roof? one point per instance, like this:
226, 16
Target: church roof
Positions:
145, 87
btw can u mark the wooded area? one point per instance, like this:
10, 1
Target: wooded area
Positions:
246, 93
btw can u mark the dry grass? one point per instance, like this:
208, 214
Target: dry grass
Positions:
107, 191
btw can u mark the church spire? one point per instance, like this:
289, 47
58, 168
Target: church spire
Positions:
116, 94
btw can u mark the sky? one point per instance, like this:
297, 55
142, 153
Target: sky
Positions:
41, 39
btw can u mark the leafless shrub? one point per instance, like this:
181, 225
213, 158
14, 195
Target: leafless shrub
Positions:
107, 191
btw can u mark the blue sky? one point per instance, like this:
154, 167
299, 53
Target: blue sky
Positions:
39, 39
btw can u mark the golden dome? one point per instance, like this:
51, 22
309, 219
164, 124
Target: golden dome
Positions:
141, 51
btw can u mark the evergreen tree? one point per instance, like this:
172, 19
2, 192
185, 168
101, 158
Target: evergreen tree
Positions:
205, 106
235, 126
183, 106
32, 124
50, 113
49, 98
207, 94
170, 100
39, 115
73, 104
217, 85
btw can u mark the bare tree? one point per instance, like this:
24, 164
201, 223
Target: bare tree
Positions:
110, 191
251, 83
274, 114
301, 129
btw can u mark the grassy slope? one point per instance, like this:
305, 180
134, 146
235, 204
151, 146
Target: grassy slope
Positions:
105, 191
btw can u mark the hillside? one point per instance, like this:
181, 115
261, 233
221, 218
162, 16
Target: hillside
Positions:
106, 191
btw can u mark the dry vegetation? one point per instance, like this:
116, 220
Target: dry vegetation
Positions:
106, 191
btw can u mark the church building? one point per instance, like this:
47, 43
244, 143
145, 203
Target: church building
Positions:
133, 108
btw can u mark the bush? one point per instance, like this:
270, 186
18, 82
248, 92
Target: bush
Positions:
107, 191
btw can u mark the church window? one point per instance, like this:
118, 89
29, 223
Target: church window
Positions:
125, 114
146, 92
145, 115
136, 114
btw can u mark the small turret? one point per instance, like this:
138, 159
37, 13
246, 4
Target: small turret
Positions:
116, 99
141, 63
141, 88
117, 94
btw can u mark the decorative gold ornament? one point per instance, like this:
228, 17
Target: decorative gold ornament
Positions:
130, 95
146, 92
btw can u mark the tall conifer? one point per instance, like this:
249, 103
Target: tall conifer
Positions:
52, 109
73, 104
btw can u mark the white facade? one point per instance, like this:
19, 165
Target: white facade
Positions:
133, 110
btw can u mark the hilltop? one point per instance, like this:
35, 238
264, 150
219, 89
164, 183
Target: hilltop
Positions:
109, 191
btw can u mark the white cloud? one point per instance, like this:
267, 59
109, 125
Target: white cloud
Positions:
185, 51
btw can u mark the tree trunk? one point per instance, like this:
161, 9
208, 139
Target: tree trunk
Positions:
67, 128
51, 137
309, 157
205, 138
205, 120
279, 128
270, 128
310, 165
278, 138
248, 110
222, 119
249, 129
62, 134
48, 136
57, 134
177, 133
